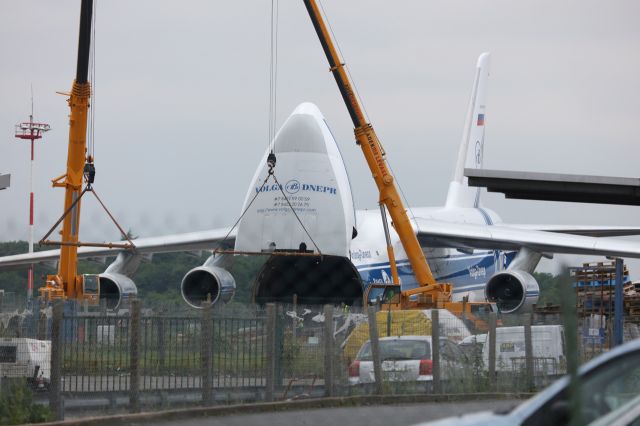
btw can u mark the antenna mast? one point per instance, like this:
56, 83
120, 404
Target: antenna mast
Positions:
31, 131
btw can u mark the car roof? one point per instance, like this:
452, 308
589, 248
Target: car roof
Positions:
423, 338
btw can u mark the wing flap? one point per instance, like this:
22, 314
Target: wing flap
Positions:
588, 231
201, 240
468, 236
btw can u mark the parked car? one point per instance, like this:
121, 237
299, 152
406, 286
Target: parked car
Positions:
404, 359
547, 344
607, 383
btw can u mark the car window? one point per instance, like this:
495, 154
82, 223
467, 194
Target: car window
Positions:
8, 353
602, 390
364, 354
614, 386
397, 350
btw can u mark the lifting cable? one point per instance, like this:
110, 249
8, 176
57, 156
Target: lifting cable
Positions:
294, 212
89, 168
273, 75
219, 246
357, 93
271, 158
129, 245
271, 163
344, 65
92, 67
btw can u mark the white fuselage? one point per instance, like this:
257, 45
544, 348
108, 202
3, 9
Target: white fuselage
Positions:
468, 272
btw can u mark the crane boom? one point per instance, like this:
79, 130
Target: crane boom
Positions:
67, 283
375, 156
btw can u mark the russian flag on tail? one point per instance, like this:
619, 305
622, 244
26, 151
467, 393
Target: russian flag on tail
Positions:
480, 119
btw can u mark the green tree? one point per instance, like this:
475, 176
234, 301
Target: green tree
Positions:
549, 288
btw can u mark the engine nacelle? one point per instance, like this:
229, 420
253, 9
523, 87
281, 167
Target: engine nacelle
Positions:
116, 288
206, 280
512, 291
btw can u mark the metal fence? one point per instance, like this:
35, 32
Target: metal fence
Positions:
279, 352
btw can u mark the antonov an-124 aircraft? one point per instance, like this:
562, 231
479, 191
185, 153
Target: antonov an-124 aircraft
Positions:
465, 243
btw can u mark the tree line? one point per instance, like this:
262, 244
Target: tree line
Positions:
158, 281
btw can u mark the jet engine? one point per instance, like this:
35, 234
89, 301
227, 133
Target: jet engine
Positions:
115, 284
115, 288
207, 282
512, 291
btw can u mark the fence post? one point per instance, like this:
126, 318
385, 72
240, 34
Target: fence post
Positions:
205, 352
618, 321
161, 348
492, 351
528, 353
271, 352
55, 387
375, 349
42, 322
134, 357
570, 324
278, 361
328, 351
435, 351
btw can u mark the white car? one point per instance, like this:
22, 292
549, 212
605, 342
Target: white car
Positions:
404, 359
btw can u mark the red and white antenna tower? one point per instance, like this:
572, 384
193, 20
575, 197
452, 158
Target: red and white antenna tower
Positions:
31, 131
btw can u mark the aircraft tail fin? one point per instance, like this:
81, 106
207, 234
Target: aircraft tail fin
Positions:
472, 144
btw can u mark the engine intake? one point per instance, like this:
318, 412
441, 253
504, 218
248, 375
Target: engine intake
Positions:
116, 288
207, 281
512, 291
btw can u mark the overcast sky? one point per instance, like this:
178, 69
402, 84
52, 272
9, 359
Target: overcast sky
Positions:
182, 95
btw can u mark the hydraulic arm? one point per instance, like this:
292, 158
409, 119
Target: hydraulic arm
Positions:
429, 292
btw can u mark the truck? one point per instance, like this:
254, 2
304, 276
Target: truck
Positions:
25, 358
548, 344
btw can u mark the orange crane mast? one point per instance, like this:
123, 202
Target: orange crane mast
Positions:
430, 292
67, 283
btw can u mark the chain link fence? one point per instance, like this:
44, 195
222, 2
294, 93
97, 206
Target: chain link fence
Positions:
142, 358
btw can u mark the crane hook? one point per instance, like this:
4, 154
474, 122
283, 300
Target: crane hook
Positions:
271, 162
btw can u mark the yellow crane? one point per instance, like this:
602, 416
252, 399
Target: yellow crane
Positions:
80, 170
429, 294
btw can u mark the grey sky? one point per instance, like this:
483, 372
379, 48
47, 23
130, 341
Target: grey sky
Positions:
182, 100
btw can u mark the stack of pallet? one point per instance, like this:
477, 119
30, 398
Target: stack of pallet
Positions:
595, 287
595, 290
632, 302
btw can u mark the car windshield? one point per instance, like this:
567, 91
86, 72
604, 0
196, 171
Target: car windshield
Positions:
397, 350
603, 389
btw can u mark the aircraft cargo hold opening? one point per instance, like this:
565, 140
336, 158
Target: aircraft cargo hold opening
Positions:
315, 281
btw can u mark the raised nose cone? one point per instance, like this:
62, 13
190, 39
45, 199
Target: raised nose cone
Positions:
303, 131
309, 177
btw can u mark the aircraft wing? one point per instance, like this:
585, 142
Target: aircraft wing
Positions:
201, 240
433, 233
589, 231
